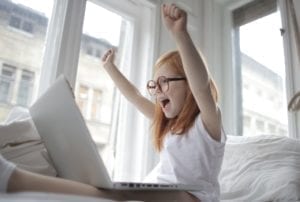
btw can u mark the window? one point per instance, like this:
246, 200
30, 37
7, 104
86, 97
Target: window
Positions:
89, 51
18, 86
98, 53
117, 128
19, 23
271, 129
15, 22
260, 126
260, 61
27, 27
99, 102
7, 82
25, 88
247, 121
96, 105
82, 99
94, 47
89, 100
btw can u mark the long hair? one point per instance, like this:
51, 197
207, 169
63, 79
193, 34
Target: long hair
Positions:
186, 118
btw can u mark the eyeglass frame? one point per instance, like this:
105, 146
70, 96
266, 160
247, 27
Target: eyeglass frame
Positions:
157, 84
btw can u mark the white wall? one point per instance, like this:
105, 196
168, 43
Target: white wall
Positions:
206, 26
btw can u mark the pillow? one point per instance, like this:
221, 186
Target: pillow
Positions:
261, 168
21, 144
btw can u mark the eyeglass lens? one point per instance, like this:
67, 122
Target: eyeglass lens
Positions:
162, 84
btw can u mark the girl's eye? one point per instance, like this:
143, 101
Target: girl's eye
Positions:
164, 81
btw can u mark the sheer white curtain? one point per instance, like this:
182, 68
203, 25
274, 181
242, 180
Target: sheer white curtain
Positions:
131, 138
291, 15
293, 18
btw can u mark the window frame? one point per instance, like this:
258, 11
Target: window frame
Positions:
241, 16
62, 55
230, 80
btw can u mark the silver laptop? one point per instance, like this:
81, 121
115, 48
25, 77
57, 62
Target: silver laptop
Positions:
70, 145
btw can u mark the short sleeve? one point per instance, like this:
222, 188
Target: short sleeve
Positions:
208, 138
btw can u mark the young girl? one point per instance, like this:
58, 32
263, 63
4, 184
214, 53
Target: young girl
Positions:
186, 119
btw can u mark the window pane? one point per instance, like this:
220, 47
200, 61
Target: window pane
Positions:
82, 99
23, 28
96, 105
7, 83
99, 34
25, 88
15, 22
263, 77
27, 27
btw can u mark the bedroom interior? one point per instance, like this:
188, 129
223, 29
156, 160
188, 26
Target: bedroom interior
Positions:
263, 132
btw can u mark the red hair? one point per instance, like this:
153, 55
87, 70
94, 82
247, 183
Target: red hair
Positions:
186, 118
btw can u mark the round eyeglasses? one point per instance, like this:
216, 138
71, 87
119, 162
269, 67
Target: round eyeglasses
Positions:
162, 84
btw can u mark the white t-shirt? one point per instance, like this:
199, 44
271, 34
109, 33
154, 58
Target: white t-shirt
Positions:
6, 169
191, 158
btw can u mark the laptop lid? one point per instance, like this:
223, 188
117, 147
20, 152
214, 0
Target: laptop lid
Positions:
66, 136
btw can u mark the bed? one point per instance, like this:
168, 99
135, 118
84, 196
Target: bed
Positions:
259, 168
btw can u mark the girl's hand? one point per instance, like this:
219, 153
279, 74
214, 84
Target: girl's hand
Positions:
108, 58
175, 18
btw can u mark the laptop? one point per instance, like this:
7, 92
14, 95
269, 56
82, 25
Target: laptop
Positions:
66, 137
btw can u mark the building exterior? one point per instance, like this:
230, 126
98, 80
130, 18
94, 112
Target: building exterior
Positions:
263, 99
22, 40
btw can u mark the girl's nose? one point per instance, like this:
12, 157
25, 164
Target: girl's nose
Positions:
157, 90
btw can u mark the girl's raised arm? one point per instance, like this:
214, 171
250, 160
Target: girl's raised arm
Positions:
195, 69
126, 87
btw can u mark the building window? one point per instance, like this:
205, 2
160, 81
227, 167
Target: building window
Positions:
94, 52
27, 27
260, 125
98, 53
272, 129
89, 51
15, 22
19, 23
247, 121
96, 105
25, 88
7, 81
82, 99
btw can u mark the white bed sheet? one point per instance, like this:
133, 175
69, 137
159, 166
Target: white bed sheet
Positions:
261, 168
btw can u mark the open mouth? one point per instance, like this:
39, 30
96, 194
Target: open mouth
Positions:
165, 102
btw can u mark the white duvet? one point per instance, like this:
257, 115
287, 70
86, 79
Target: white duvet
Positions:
262, 168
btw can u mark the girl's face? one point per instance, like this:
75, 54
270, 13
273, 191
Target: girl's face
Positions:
172, 99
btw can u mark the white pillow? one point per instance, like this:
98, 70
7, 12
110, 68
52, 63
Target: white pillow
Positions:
21, 144
261, 168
